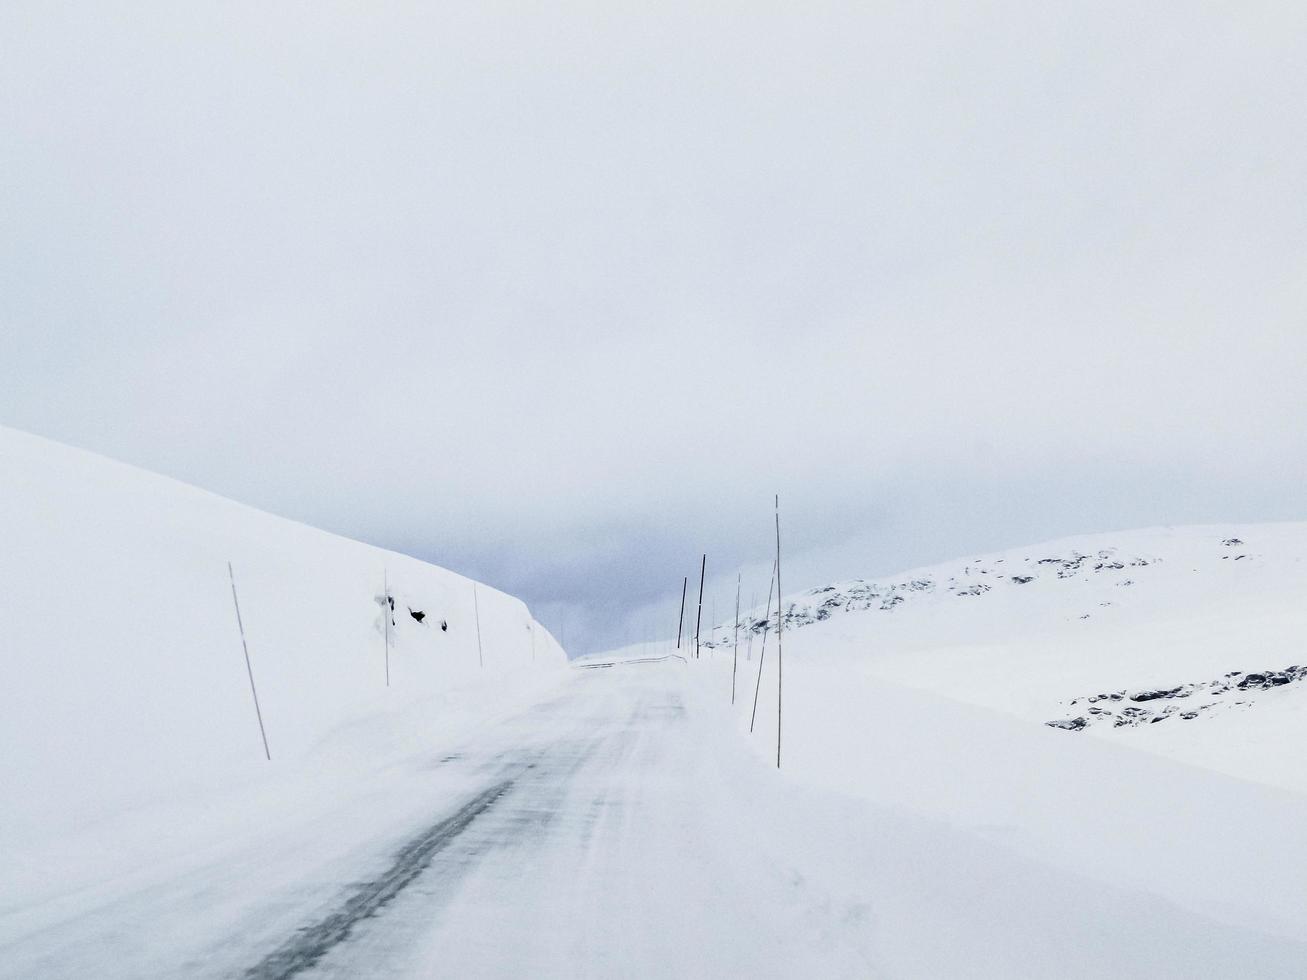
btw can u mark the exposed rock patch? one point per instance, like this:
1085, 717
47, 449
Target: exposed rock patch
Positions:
1149, 706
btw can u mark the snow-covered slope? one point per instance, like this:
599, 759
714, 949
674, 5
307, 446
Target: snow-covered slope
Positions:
1104, 633
933, 692
125, 681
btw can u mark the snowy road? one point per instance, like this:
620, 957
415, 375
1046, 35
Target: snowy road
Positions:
622, 828
589, 851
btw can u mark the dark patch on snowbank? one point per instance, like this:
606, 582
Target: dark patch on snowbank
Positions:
1147, 707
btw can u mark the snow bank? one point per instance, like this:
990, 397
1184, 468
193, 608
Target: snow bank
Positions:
125, 684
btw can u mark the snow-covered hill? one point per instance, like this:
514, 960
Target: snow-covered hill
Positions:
933, 691
1107, 577
1097, 633
126, 708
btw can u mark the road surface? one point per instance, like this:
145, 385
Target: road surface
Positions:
623, 828
587, 847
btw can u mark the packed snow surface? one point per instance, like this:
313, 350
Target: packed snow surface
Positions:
621, 827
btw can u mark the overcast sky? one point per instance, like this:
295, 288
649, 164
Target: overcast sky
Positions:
558, 295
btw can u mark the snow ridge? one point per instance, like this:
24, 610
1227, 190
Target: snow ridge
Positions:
967, 580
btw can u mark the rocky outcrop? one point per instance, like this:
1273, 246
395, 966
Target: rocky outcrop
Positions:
1149, 706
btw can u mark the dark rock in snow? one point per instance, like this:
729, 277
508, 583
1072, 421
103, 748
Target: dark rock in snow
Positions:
1154, 695
1068, 724
1142, 711
1272, 678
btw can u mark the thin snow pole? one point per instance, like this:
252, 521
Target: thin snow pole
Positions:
685, 581
735, 659
762, 656
248, 669
698, 621
388, 610
476, 606
780, 629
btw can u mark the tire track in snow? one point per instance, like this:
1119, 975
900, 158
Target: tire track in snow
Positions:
311, 943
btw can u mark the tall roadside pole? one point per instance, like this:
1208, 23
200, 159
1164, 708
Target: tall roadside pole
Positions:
249, 671
680, 622
735, 659
762, 657
780, 627
698, 620
476, 607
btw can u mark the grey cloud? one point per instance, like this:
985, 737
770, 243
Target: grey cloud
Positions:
560, 296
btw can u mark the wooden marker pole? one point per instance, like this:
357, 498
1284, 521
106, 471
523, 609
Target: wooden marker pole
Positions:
698, 621
762, 656
476, 606
680, 621
780, 629
248, 669
735, 659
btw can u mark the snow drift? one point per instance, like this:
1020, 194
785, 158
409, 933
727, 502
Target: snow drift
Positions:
125, 681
